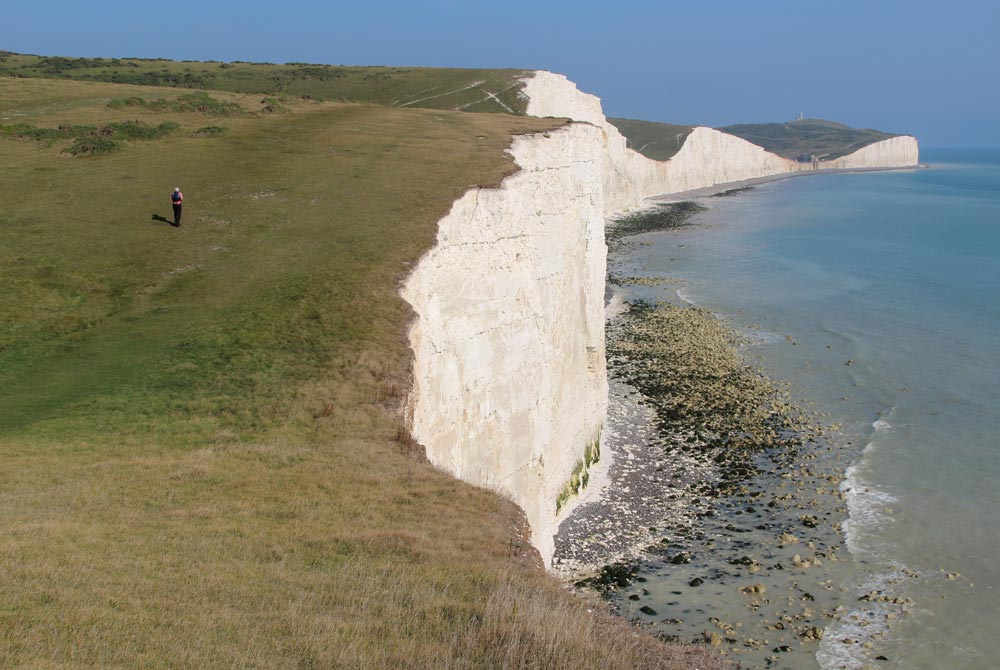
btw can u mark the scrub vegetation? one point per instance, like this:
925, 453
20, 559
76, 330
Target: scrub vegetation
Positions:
202, 454
192, 102
437, 88
90, 140
210, 131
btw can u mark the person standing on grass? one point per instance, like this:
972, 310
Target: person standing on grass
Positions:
177, 200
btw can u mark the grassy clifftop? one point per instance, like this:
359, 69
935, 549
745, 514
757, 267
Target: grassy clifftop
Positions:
799, 140
659, 141
203, 459
469, 90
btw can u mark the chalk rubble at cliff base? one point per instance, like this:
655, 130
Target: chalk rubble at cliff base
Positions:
692, 421
731, 498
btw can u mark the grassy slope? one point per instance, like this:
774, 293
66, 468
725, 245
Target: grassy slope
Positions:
808, 137
435, 88
202, 463
659, 141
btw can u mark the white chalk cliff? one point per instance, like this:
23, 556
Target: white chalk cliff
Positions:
509, 373
509, 382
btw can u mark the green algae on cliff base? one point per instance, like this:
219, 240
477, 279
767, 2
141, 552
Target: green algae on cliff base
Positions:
580, 476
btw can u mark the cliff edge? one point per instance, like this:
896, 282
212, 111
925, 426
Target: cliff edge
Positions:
707, 157
509, 384
509, 376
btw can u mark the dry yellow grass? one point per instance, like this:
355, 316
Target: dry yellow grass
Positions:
201, 457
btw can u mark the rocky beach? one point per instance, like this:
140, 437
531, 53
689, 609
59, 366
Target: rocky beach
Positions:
720, 519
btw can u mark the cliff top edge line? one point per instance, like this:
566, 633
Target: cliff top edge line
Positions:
509, 374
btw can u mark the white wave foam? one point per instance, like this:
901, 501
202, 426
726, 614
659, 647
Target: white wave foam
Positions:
686, 297
843, 643
865, 503
879, 425
866, 507
865, 510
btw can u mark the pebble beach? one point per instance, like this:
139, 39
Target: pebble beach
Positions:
717, 519
851, 524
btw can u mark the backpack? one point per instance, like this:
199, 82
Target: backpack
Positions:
176, 197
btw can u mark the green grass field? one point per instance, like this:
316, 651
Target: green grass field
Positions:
799, 140
202, 462
435, 88
659, 141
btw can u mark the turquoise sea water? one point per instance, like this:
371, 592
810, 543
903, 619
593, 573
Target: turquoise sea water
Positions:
889, 286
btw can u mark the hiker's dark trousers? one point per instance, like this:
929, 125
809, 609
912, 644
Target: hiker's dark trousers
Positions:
177, 213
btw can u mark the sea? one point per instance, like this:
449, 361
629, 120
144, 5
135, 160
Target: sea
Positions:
876, 297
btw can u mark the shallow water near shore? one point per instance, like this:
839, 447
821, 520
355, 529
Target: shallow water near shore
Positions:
875, 296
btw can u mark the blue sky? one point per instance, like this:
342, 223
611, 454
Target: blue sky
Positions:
928, 68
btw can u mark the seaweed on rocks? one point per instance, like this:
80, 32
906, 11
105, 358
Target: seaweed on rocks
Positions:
684, 362
615, 575
733, 191
664, 216
717, 478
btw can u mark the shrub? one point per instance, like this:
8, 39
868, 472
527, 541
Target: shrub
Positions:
92, 146
192, 102
137, 130
273, 106
91, 140
210, 131
134, 101
129, 130
186, 80
206, 104
26, 131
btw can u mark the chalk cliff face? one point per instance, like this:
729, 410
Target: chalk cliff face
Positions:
707, 158
895, 152
509, 374
509, 383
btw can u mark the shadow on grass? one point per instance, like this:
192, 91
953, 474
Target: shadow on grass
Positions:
162, 219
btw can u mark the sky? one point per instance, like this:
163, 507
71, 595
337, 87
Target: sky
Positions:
919, 67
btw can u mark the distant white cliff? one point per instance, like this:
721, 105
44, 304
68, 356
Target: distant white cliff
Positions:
707, 158
509, 376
